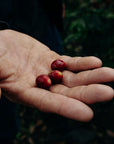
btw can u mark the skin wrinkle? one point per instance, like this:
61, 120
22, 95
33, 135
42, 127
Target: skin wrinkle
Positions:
25, 98
87, 77
9, 74
82, 77
28, 58
71, 93
97, 94
59, 88
46, 68
32, 63
2, 52
81, 95
44, 102
68, 78
3, 49
91, 100
79, 79
59, 109
63, 90
19, 71
15, 64
41, 103
77, 61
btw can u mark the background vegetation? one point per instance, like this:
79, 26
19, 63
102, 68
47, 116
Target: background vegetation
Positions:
88, 31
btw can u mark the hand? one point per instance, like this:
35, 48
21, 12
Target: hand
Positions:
23, 58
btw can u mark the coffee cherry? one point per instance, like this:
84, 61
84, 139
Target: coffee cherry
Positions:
56, 76
58, 65
43, 81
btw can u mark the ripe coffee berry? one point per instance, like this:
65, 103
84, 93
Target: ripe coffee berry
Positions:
56, 76
58, 65
43, 81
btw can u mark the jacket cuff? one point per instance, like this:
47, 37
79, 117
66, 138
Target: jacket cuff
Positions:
3, 25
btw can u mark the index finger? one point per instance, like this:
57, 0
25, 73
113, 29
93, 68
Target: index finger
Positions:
81, 63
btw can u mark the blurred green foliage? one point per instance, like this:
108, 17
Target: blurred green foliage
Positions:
89, 29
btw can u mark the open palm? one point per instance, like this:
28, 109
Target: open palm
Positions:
23, 58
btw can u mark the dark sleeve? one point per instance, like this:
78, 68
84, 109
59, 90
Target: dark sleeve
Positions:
54, 11
3, 25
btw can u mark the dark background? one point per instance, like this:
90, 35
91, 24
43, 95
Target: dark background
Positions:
88, 30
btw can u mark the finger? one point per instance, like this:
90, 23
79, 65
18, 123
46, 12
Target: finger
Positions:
88, 94
57, 103
81, 63
100, 75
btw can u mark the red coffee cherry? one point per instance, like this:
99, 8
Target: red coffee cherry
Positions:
43, 81
56, 76
58, 65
